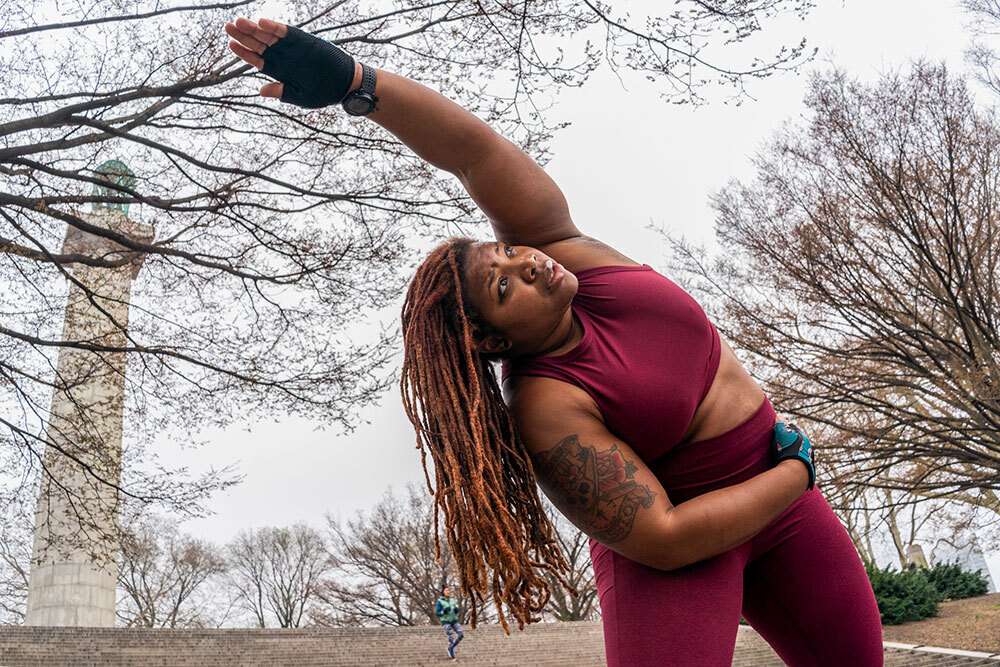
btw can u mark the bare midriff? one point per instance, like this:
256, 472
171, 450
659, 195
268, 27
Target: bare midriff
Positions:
732, 399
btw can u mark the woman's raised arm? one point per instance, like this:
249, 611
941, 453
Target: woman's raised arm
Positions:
525, 206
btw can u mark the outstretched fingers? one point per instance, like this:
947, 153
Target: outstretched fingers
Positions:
256, 37
246, 54
273, 27
264, 36
249, 40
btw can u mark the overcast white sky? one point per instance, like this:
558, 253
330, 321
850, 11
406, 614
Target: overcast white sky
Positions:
627, 160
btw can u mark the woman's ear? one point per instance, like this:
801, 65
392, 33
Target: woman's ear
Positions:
493, 344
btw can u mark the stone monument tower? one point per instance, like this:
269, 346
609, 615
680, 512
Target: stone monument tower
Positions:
75, 550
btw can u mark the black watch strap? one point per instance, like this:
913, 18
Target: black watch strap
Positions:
368, 80
362, 101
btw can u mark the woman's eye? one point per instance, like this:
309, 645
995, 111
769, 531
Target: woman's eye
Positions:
503, 286
509, 250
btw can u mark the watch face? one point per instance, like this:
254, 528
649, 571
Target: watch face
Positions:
357, 105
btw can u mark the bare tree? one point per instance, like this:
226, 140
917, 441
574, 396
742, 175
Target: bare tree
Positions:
162, 575
581, 603
388, 572
277, 573
853, 507
959, 528
886, 524
271, 224
859, 277
907, 522
247, 575
984, 26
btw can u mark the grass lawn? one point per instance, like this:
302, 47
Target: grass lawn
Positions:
973, 625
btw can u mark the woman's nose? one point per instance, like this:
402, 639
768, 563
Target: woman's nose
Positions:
529, 267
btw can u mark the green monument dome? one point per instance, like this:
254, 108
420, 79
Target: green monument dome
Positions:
117, 172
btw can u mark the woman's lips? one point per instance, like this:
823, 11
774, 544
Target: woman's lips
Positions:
556, 274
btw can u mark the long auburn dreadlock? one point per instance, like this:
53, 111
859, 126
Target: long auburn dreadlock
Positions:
484, 480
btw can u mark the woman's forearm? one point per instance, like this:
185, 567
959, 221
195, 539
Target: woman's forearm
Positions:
524, 204
432, 126
720, 520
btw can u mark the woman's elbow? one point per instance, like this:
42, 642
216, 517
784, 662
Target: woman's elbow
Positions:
669, 561
659, 559
665, 549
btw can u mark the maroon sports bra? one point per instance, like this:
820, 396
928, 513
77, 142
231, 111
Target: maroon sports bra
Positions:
648, 355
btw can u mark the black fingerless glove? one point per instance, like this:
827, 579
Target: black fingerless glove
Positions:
791, 443
315, 72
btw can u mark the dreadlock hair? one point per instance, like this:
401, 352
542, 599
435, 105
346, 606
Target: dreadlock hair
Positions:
484, 482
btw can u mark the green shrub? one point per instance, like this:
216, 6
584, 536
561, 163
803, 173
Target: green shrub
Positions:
954, 583
903, 596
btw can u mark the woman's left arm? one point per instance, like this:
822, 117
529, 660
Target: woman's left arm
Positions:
523, 203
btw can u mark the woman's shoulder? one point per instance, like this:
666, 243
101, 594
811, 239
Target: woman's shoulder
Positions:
580, 253
525, 394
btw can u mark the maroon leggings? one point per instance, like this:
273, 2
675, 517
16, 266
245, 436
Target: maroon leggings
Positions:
799, 582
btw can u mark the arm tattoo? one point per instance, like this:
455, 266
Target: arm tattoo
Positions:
597, 490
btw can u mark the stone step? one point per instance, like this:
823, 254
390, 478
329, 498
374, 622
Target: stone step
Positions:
541, 645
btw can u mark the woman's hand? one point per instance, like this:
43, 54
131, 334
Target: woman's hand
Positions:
311, 72
791, 443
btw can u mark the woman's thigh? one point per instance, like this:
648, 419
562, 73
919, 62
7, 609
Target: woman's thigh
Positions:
806, 592
687, 617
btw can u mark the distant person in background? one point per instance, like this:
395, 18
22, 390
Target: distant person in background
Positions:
447, 611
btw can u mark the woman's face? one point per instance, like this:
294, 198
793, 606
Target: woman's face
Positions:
523, 293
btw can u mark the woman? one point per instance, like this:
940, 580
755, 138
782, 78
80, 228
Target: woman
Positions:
637, 421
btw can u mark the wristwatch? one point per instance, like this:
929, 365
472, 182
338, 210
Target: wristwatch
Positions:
362, 101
